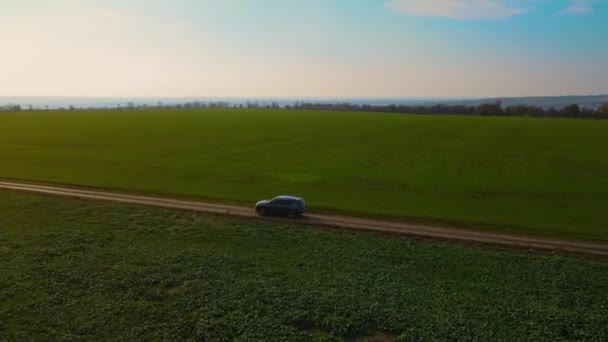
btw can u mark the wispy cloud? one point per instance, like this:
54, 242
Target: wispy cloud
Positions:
579, 7
457, 9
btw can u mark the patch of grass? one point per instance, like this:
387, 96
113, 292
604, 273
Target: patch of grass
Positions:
539, 176
74, 270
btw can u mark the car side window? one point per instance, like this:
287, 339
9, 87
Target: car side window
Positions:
283, 201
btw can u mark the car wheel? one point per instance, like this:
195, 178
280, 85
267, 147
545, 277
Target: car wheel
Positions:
262, 212
292, 215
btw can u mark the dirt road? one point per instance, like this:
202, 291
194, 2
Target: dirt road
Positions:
355, 223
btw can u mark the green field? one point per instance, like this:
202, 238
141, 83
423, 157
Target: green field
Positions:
545, 176
77, 270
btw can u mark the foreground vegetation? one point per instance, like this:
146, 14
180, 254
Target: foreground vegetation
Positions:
540, 176
74, 270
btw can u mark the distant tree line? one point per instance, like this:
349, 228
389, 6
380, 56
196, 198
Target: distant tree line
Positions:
10, 108
485, 109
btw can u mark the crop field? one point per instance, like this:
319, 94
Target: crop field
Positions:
541, 176
95, 271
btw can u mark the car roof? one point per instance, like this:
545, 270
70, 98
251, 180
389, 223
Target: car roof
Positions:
287, 197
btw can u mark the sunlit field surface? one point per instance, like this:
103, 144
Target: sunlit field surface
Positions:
543, 176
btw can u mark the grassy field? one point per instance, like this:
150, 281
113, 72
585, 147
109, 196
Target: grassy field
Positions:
75, 270
541, 176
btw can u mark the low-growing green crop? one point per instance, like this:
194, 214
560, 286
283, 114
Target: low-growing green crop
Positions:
76, 270
529, 175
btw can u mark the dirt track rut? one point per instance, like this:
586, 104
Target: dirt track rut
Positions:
349, 222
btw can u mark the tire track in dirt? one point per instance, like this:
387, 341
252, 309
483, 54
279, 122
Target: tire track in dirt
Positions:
328, 220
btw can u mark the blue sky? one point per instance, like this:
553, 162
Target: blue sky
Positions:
297, 48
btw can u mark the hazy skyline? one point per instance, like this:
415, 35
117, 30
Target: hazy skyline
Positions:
312, 48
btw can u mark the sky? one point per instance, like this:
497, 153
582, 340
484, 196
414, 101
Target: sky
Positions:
303, 48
